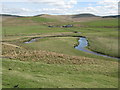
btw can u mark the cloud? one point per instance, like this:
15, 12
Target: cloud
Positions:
52, 0
59, 4
15, 11
53, 7
102, 7
53, 11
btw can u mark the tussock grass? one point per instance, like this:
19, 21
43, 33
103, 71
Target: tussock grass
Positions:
43, 56
107, 46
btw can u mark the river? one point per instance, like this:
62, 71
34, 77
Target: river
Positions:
83, 43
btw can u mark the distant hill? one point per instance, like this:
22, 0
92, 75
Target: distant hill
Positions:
70, 16
40, 15
84, 15
112, 16
8, 15
76, 17
62, 18
56, 17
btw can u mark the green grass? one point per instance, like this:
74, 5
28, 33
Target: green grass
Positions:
42, 19
18, 30
42, 75
107, 46
53, 62
63, 45
101, 23
39, 19
105, 42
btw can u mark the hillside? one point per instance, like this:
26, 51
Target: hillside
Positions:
8, 15
78, 17
113, 16
62, 18
84, 15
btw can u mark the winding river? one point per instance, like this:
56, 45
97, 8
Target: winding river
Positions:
84, 43
81, 46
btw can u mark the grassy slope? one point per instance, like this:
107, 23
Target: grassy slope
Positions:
105, 44
97, 23
18, 30
98, 73
37, 74
30, 25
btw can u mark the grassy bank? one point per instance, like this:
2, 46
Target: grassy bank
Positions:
105, 45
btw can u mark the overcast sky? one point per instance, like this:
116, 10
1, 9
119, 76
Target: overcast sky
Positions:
59, 7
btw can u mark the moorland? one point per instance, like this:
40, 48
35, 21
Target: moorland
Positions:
53, 62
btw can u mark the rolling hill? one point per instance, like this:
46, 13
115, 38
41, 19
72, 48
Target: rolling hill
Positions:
84, 15
113, 16
9, 15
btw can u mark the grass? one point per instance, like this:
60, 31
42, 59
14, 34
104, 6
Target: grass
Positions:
109, 46
42, 19
53, 62
106, 42
18, 30
110, 23
39, 19
37, 74
54, 45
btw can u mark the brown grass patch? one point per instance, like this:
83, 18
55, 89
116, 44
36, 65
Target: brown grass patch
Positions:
48, 57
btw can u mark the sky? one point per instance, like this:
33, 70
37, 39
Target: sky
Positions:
59, 7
